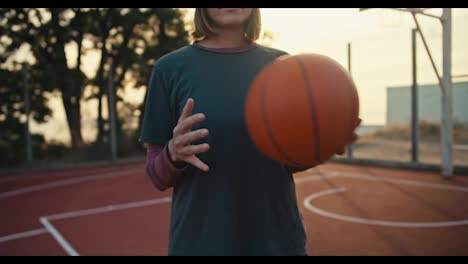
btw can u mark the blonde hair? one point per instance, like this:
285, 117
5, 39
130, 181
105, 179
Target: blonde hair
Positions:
204, 26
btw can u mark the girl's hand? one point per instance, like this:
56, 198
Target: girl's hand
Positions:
180, 146
353, 138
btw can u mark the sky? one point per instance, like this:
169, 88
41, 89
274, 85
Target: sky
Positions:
380, 42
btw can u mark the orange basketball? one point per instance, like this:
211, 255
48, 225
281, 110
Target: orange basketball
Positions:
301, 110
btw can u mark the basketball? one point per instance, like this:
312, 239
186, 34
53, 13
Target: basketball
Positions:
300, 110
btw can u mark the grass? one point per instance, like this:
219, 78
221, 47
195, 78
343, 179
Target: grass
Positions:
428, 132
394, 143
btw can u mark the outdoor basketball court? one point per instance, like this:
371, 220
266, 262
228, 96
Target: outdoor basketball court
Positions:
348, 210
355, 207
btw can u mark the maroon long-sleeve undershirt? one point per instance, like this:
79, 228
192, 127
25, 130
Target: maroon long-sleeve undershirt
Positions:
162, 172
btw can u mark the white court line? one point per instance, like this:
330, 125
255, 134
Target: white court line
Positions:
78, 213
58, 237
109, 208
30, 233
315, 178
401, 181
59, 183
299, 180
309, 206
123, 206
55, 175
61, 240
307, 203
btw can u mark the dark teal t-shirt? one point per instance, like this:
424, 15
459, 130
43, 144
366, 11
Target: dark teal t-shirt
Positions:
246, 204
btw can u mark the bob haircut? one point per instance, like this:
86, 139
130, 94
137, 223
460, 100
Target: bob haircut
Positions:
204, 26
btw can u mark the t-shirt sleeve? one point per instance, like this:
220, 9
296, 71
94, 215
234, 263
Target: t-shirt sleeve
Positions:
281, 53
158, 116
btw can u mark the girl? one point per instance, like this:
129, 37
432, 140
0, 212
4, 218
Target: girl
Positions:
228, 198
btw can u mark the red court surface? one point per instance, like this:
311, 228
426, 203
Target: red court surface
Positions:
348, 210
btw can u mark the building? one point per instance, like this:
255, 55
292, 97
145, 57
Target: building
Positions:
429, 103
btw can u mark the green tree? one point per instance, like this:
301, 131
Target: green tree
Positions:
47, 32
12, 114
130, 40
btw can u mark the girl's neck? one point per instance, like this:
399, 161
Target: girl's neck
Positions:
225, 39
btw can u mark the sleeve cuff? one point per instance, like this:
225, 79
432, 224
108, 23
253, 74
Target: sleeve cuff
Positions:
173, 168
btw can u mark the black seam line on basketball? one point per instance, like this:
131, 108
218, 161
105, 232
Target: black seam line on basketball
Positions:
313, 111
270, 133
